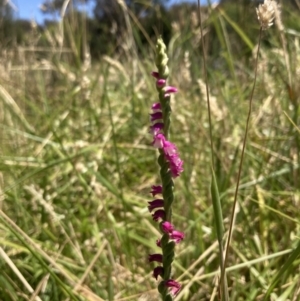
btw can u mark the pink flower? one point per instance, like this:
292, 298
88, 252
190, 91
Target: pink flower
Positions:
158, 271
159, 141
156, 189
168, 90
177, 236
156, 107
155, 74
158, 203
174, 286
169, 148
156, 128
172, 157
167, 227
159, 214
160, 82
155, 257
175, 165
156, 116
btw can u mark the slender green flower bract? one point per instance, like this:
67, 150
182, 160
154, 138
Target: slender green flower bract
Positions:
171, 166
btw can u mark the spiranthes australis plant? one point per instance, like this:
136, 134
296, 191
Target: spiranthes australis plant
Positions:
171, 167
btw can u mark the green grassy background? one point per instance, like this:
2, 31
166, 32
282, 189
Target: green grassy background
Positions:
77, 166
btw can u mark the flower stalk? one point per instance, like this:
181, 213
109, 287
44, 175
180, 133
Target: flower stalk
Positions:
171, 167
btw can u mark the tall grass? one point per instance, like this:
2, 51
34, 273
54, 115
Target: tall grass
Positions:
76, 167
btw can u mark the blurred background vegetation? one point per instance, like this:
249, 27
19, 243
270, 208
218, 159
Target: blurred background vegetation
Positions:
106, 26
76, 162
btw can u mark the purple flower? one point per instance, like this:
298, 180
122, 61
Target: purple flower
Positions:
158, 243
177, 236
156, 189
159, 141
160, 82
155, 74
156, 107
156, 128
158, 271
170, 151
174, 286
156, 116
167, 227
158, 203
169, 148
168, 90
160, 213
155, 257
172, 156
175, 165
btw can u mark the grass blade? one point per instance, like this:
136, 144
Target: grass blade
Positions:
220, 232
295, 254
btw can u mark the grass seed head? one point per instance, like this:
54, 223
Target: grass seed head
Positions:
265, 14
